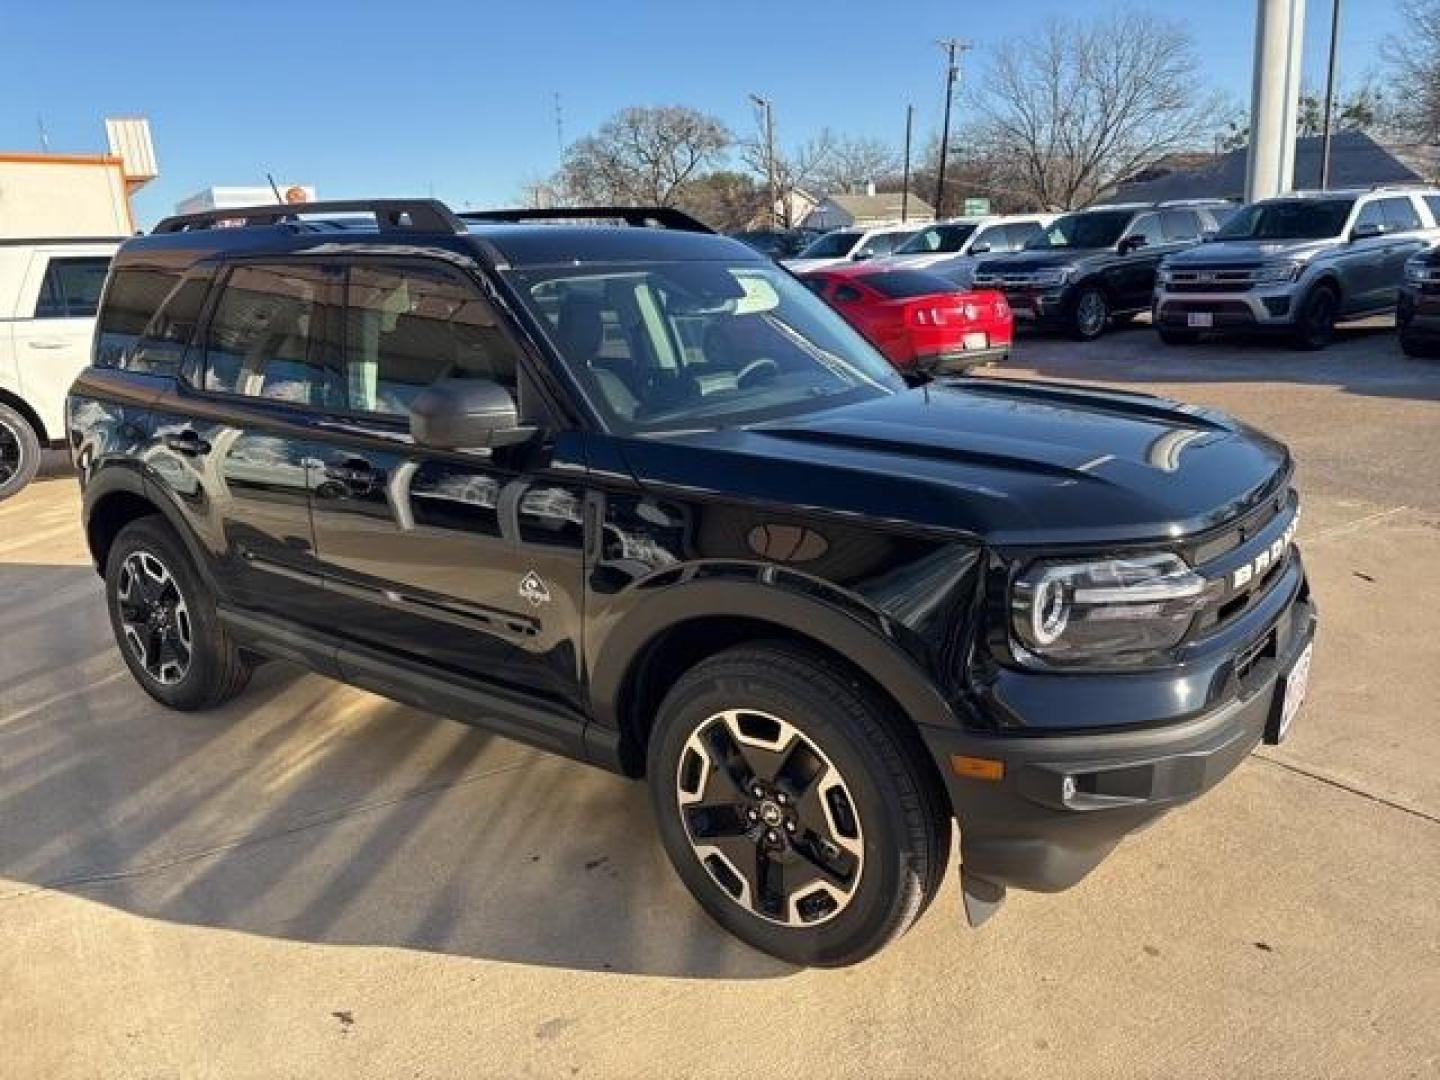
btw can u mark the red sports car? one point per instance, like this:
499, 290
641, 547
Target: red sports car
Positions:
918, 319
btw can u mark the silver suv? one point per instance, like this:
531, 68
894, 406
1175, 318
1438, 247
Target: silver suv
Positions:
1297, 263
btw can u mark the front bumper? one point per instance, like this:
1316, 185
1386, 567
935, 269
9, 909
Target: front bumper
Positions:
1418, 312
1252, 309
1065, 801
1041, 308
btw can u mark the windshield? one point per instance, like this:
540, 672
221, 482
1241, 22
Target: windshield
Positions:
1092, 229
834, 245
935, 239
685, 345
1288, 219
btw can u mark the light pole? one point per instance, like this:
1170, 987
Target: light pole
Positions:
952, 70
1329, 96
905, 183
763, 104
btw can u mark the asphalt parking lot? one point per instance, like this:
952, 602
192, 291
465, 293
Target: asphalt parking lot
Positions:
358, 889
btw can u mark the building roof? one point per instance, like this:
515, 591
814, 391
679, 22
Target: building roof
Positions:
881, 207
1356, 161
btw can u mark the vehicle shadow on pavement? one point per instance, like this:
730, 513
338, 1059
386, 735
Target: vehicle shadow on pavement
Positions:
1363, 359
309, 811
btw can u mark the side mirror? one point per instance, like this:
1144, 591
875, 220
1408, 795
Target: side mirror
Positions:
466, 414
1365, 231
980, 248
1131, 243
861, 256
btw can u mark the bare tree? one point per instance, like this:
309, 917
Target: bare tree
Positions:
643, 155
1414, 68
852, 163
1073, 109
726, 200
795, 170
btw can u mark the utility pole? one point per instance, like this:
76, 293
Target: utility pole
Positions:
905, 182
763, 104
1327, 132
952, 46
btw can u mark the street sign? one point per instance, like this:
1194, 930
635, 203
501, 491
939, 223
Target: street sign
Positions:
975, 207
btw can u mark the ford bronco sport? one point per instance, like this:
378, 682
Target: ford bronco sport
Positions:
633, 494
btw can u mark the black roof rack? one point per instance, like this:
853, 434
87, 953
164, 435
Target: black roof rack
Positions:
391, 215
639, 217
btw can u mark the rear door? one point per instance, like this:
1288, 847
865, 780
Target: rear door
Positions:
55, 324
234, 443
466, 560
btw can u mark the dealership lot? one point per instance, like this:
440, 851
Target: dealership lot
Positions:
359, 889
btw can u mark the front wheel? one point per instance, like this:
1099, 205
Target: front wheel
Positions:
1091, 315
1315, 325
19, 452
793, 807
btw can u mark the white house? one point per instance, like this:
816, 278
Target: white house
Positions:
867, 211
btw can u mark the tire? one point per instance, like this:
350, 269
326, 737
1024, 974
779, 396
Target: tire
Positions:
859, 799
19, 452
1417, 347
1315, 322
1090, 314
1178, 337
165, 623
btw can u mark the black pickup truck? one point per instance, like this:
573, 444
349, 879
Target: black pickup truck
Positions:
626, 490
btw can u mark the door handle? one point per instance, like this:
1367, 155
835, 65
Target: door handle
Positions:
357, 474
186, 442
46, 343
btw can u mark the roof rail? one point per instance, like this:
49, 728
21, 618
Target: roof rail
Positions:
1402, 187
639, 217
391, 215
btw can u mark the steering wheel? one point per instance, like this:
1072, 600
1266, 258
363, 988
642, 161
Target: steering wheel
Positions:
756, 371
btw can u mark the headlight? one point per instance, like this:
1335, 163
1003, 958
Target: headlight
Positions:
1162, 273
1049, 279
1415, 270
1119, 612
1279, 273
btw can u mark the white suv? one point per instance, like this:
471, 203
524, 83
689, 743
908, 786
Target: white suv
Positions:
850, 245
952, 248
49, 290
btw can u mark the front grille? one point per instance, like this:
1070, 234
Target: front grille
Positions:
1245, 559
1004, 281
1211, 278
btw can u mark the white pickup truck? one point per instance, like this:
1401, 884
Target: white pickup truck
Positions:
49, 290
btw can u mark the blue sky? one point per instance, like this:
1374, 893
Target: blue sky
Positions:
457, 99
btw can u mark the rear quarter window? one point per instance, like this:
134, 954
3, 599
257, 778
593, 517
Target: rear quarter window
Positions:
71, 287
134, 296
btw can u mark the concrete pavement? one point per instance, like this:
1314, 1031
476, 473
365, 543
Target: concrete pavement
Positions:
315, 882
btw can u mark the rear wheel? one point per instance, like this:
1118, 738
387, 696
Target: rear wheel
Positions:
1178, 337
19, 451
1421, 348
1315, 324
165, 622
1091, 314
792, 808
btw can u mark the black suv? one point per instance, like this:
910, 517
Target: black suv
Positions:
1087, 268
633, 494
1418, 314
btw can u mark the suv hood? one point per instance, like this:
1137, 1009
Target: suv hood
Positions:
1025, 261
1241, 251
1011, 462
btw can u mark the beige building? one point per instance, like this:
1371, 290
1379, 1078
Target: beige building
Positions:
58, 196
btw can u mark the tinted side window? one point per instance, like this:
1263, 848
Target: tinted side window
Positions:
71, 288
1022, 231
161, 348
134, 295
1433, 202
406, 327
1180, 225
1148, 226
1400, 215
267, 338
1371, 214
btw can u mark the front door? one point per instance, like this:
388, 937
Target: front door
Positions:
466, 560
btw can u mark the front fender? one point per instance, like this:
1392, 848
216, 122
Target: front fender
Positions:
792, 602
